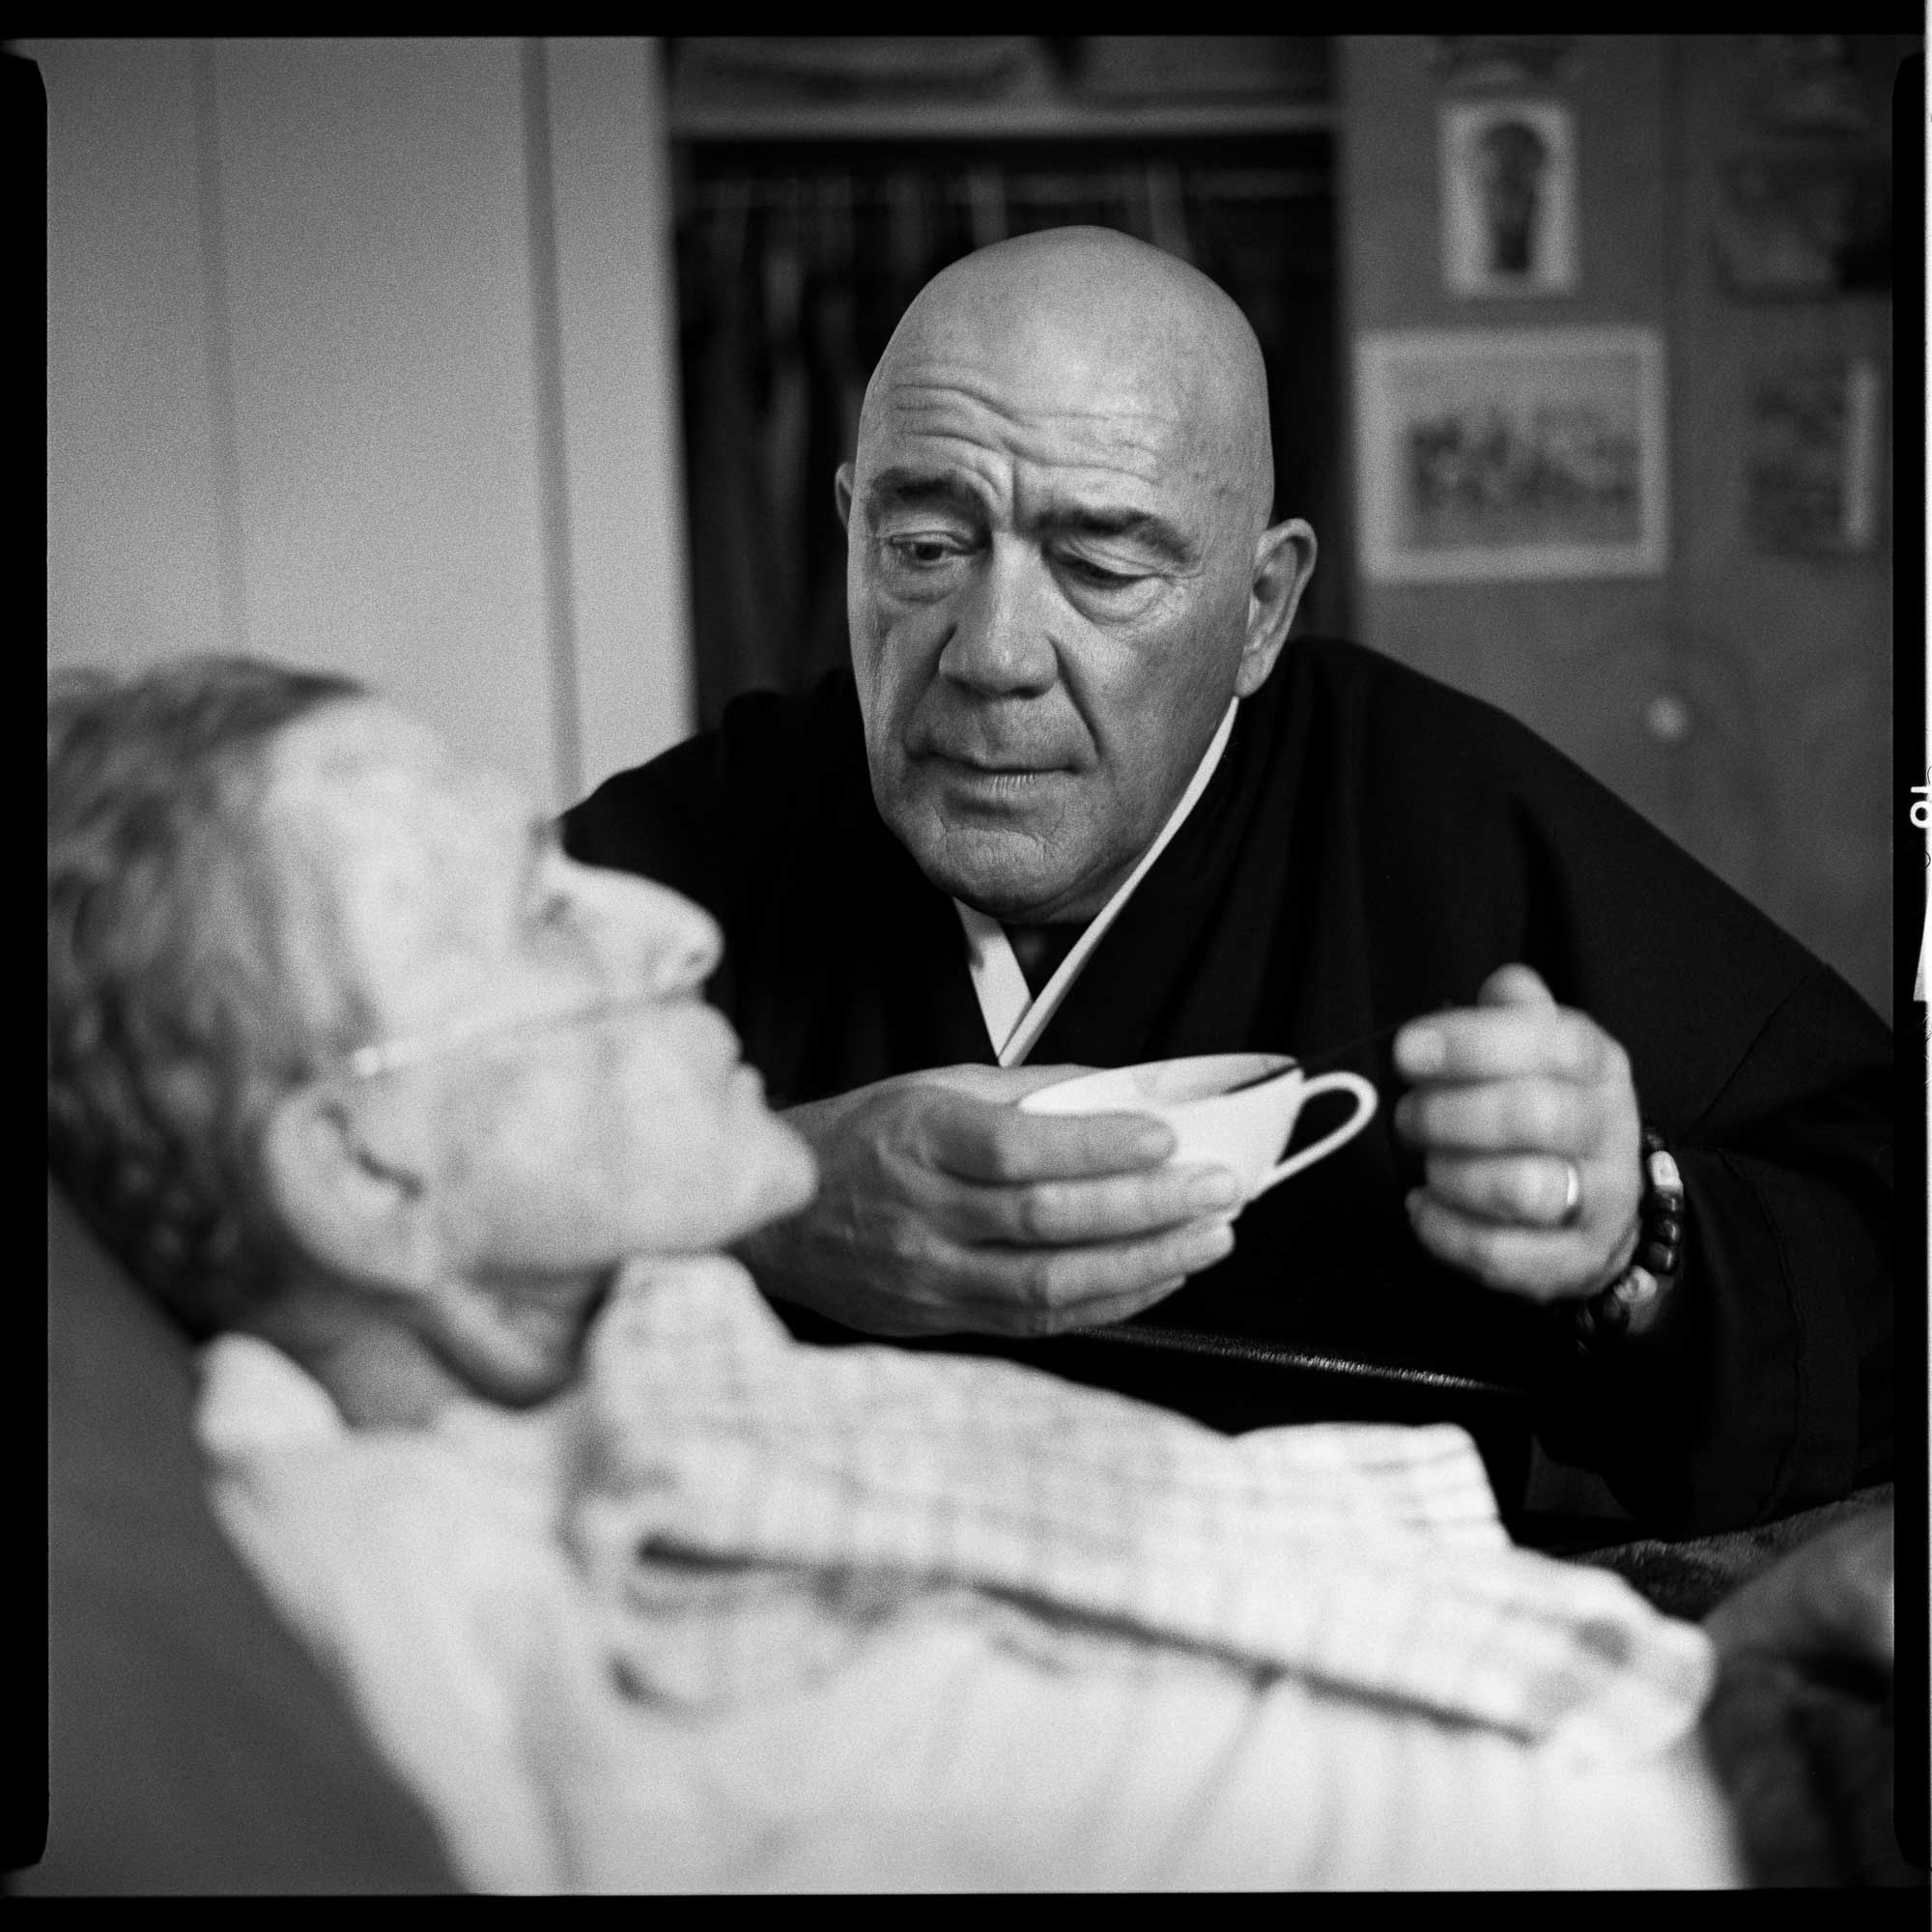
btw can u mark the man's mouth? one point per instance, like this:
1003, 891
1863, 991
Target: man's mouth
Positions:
976, 786
997, 767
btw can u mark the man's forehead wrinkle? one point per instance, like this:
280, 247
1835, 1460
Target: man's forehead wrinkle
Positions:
1022, 395
966, 428
1078, 346
933, 403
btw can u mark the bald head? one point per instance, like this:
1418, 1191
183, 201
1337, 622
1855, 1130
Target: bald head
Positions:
1058, 568
1090, 313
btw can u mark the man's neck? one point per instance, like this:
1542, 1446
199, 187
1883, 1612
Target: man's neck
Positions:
1039, 950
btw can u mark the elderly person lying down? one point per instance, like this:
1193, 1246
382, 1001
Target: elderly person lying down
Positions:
427, 1129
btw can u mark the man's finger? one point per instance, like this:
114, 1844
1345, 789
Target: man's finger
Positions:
1533, 1263
1060, 1214
1001, 1083
978, 1139
1042, 1291
1515, 986
1120, 1308
1504, 1043
1500, 1116
1524, 1189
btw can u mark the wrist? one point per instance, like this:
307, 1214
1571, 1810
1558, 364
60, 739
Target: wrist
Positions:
1631, 1306
768, 1253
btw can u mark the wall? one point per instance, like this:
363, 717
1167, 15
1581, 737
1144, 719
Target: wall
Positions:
362, 352
1771, 763
358, 355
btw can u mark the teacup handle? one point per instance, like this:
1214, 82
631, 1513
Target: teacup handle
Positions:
1327, 1083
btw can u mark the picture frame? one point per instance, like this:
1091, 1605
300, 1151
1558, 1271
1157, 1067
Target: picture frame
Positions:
1508, 170
1477, 61
1806, 84
1813, 460
1800, 225
1491, 455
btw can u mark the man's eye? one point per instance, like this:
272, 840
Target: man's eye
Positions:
925, 552
1097, 575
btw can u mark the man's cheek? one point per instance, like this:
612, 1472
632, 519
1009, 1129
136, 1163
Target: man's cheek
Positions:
906, 629
895, 668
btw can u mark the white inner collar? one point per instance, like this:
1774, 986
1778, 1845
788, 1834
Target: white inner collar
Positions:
1015, 1018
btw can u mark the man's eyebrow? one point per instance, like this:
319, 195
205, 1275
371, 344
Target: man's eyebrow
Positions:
1104, 520
905, 485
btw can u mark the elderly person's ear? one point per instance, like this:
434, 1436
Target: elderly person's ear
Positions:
356, 1213
842, 493
1284, 562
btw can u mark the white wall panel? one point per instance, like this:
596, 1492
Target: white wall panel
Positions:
378, 280
325, 382
622, 429
135, 509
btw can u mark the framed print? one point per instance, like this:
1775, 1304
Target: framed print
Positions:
1812, 458
1497, 454
1509, 198
1808, 84
1804, 224
1502, 60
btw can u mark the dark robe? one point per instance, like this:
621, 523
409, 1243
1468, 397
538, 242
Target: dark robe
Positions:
1371, 846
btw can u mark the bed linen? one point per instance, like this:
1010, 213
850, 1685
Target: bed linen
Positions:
740, 1614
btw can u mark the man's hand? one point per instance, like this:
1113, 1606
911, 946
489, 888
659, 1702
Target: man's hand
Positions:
1507, 1097
943, 1208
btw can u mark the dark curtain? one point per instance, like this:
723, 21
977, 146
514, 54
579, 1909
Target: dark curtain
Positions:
796, 266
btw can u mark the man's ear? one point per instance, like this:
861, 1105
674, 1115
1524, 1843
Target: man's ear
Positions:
841, 489
354, 1213
1284, 562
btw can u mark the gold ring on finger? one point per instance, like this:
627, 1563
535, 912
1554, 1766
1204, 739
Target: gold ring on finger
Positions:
1572, 1195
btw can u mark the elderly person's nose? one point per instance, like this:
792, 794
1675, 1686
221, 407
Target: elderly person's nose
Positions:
684, 943
674, 944
1000, 644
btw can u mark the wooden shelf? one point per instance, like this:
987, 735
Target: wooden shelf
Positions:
1045, 119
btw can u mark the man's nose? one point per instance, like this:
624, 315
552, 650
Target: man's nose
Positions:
1000, 646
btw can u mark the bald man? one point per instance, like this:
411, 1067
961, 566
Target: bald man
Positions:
1079, 803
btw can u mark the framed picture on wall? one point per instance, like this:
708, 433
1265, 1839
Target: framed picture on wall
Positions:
1497, 454
1812, 458
1509, 198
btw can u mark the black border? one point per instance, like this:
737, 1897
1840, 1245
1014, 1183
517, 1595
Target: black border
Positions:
23, 1685
1912, 1771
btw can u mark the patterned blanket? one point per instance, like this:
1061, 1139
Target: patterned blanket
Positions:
749, 1486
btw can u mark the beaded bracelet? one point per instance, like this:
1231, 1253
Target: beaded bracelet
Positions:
1630, 1302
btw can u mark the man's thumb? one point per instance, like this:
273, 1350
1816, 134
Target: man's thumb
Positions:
1514, 986
1001, 1083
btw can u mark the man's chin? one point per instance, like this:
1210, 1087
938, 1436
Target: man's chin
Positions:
1002, 873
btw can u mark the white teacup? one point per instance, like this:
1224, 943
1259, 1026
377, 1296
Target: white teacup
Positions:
1232, 1110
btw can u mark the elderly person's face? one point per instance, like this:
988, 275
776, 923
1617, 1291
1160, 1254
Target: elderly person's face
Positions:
1058, 572
557, 1097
